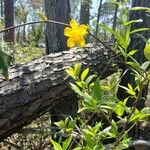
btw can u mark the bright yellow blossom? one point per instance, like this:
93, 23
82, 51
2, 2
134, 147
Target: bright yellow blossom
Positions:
76, 34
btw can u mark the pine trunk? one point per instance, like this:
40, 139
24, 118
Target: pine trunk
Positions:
9, 20
51, 30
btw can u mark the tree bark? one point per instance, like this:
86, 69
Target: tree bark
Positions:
59, 11
9, 20
85, 13
51, 30
62, 15
2, 8
38, 86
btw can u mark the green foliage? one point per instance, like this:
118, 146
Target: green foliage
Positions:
96, 97
96, 100
16, 54
67, 125
3, 64
64, 146
147, 51
26, 54
36, 34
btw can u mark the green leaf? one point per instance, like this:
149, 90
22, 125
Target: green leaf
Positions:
139, 115
78, 148
77, 69
56, 145
76, 89
105, 107
88, 137
132, 52
97, 90
114, 128
71, 73
84, 74
71, 124
85, 108
79, 84
132, 21
88, 99
146, 110
60, 124
139, 30
3, 64
107, 28
123, 51
119, 109
130, 90
145, 65
140, 8
66, 143
134, 63
89, 79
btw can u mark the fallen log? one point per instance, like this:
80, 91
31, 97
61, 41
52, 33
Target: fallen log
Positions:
39, 86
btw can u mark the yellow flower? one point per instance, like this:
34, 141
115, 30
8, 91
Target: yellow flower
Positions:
76, 34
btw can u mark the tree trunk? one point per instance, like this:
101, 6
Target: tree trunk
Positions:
2, 8
60, 11
98, 16
55, 39
85, 13
39, 86
62, 15
9, 20
51, 30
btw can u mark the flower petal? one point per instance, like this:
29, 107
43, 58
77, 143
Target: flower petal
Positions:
81, 43
70, 43
83, 29
73, 24
67, 31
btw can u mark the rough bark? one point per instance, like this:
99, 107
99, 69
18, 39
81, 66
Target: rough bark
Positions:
9, 20
59, 11
2, 8
62, 15
85, 13
51, 30
38, 86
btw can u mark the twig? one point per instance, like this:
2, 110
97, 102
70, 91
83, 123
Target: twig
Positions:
33, 22
103, 43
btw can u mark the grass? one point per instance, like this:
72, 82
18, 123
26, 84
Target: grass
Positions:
27, 53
